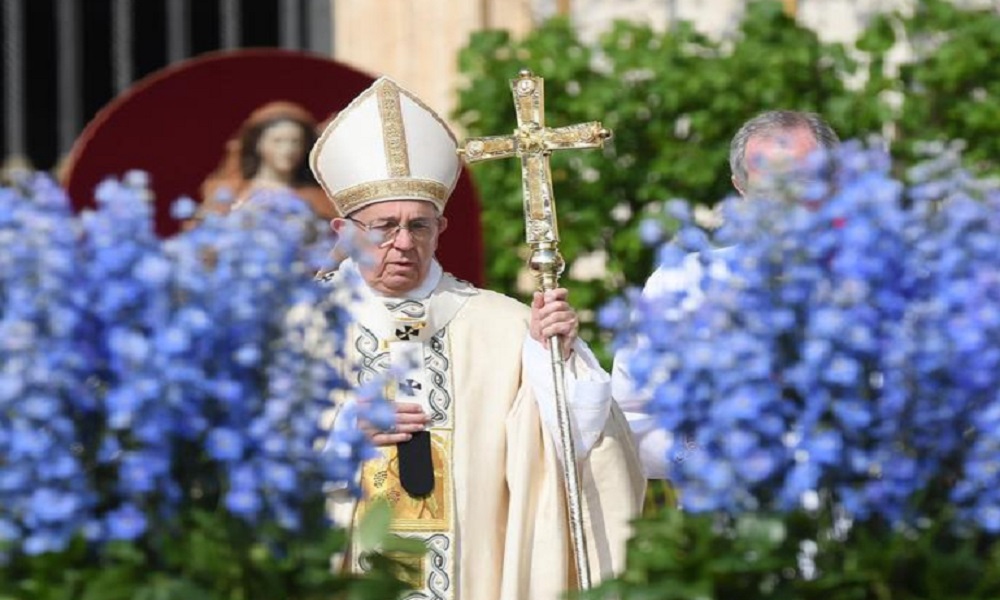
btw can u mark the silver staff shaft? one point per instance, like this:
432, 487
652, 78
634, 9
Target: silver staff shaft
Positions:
533, 143
546, 264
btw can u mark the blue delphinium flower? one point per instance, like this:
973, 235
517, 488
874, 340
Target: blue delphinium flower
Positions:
141, 377
848, 351
45, 495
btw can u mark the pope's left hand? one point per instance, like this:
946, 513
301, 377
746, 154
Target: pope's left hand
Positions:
552, 315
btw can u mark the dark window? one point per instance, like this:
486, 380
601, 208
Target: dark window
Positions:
259, 22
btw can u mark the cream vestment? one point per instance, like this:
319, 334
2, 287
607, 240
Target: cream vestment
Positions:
496, 523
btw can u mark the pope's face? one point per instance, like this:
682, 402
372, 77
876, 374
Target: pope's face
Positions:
281, 148
776, 156
393, 260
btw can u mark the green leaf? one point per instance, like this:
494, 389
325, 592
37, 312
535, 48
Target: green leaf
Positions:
879, 37
115, 583
373, 529
165, 588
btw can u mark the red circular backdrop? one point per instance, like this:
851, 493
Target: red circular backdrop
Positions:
174, 125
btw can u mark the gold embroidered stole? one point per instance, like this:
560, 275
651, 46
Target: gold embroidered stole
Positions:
408, 339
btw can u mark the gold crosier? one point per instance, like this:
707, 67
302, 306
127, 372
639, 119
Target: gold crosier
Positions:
533, 143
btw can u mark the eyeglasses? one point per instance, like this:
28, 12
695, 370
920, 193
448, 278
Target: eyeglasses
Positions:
385, 230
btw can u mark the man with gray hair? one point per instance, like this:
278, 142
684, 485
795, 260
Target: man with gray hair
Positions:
774, 142
766, 150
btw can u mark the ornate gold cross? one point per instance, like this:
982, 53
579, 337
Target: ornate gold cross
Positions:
533, 143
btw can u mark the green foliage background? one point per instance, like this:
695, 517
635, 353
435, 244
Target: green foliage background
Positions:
801, 556
675, 98
211, 555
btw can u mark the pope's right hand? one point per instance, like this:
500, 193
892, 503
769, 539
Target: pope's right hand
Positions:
410, 418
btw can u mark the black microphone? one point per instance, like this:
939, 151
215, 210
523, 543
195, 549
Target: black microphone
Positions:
416, 469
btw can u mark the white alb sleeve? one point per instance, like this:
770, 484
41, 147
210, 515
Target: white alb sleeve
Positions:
588, 392
650, 440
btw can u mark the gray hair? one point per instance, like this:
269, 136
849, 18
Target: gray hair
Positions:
771, 122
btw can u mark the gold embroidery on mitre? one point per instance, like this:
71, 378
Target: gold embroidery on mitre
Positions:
351, 199
438, 197
393, 131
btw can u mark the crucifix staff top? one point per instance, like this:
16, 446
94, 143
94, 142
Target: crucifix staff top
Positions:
533, 143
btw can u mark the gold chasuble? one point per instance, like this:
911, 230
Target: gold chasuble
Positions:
495, 524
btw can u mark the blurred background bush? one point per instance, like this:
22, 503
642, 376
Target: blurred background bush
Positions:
676, 97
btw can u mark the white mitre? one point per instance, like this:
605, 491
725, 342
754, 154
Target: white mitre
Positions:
386, 145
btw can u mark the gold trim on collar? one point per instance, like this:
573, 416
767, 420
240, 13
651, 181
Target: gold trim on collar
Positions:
393, 131
361, 195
